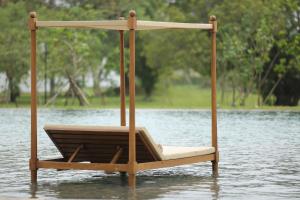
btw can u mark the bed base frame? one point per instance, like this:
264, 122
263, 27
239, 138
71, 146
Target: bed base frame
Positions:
62, 164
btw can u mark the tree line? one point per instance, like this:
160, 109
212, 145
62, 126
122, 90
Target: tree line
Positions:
258, 44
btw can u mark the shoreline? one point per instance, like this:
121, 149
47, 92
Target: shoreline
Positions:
264, 109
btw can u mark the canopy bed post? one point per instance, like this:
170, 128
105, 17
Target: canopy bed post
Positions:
214, 136
132, 134
122, 79
33, 157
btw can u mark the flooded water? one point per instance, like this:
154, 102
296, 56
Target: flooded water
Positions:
259, 156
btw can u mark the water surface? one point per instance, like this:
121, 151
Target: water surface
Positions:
259, 156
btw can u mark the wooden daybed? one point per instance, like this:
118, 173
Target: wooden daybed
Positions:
123, 148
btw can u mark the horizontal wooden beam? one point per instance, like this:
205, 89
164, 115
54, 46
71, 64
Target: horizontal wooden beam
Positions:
82, 166
105, 24
124, 167
175, 162
122, 25
150, 25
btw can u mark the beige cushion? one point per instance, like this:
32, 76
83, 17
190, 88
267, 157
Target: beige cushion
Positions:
160, 148
174, 152
152, 146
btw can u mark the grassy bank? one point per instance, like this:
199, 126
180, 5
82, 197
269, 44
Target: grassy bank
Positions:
185, 97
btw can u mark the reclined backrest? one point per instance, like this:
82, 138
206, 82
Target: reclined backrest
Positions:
99, 143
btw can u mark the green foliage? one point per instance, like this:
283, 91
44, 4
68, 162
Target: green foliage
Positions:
258, 46
14, 46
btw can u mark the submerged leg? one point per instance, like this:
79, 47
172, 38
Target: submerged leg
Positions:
215, 168
34, 176
123, 174
131, 180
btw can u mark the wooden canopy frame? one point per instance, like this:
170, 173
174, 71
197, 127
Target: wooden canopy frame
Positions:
132, 25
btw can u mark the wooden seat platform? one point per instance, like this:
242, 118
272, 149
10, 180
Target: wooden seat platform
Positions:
101, 144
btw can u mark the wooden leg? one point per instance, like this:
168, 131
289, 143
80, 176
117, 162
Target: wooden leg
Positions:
34, 176
33, 190
215, 168
131, 180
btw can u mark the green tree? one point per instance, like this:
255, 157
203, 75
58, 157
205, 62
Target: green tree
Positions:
282, 72
14, 46
72, 52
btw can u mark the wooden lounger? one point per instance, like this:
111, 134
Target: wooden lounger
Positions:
99, 144
118, 148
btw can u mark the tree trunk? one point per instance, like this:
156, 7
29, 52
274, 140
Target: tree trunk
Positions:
97, 90
96, 82
83, 82
77, 91
222, 87
272, 89
233, 103
96, 87
244, 96
259, 91
52, 86
14, 90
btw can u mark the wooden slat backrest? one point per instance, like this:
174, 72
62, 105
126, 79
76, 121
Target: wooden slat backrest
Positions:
101, 143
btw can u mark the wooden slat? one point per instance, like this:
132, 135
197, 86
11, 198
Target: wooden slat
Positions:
110, 149
90, 136
175, 162
102, 153
92, 141
86, 128
93, 156
95, 146
114, 134
82, 166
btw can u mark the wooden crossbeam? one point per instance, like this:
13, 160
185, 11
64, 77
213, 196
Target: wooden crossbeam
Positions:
152, 25
82, 166
122, 25
175, 162
105, 24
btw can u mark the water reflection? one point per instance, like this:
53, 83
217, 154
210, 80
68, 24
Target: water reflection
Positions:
148, 187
